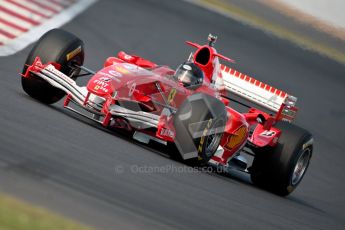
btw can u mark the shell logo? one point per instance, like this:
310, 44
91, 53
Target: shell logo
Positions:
237, 138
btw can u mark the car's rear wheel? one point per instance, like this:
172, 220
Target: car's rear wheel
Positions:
280, 169
57, 46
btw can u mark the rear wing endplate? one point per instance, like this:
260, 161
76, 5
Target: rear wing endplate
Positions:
259, 93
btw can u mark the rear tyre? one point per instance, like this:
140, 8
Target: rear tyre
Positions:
54, 46
280, 169
199, 124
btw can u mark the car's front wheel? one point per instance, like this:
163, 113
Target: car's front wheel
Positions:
57, 46
200, 122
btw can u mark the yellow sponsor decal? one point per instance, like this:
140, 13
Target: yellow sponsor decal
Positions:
308, 144
290, 188
122, 70
72, 54
237, 138
171, 95
204, 134
96, 87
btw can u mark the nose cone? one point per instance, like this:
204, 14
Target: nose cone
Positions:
104, 82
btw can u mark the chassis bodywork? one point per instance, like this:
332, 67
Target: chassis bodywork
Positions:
137, 95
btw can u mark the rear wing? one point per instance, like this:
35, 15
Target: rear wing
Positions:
259, 93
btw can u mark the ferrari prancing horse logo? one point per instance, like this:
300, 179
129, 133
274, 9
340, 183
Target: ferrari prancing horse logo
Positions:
171, 95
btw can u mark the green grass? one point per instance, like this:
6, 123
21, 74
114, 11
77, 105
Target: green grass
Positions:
19, 215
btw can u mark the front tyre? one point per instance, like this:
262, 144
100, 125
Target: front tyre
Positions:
280, 169
209, 143
199, 123
57, 46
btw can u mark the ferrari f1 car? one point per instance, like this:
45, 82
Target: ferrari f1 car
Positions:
190, 108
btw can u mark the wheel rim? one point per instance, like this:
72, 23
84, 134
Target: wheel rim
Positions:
301, 166
213, 140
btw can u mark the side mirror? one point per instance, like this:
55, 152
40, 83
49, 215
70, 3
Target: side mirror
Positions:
261, 119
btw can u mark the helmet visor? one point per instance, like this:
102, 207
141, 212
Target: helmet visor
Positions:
184, 76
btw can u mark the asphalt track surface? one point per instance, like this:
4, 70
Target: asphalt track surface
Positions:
59, 161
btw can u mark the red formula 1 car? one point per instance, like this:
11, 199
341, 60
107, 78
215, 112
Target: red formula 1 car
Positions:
189, 108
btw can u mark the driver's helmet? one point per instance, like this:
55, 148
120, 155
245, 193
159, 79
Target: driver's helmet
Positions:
190, 75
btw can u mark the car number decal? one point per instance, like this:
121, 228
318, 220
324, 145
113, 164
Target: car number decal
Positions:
268, 133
